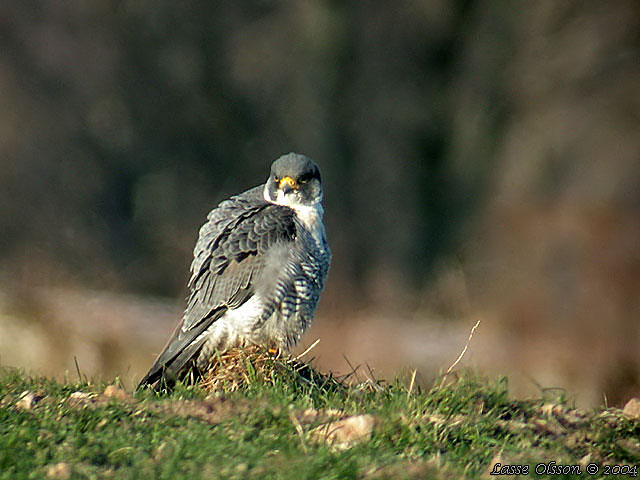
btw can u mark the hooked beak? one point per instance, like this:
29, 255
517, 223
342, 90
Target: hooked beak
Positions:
287, 184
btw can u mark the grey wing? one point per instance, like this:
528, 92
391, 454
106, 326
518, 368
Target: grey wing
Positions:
228, 258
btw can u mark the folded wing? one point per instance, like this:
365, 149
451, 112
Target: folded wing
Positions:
228, 259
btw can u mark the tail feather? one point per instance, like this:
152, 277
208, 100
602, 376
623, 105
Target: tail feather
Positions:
176, 358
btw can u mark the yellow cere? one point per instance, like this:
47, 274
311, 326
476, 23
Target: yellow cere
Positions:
287, 180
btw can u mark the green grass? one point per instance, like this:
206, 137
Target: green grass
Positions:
265, 431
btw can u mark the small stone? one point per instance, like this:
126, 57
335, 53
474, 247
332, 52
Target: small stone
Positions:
61, 471
547, 409
28, 400
112, 391
79, 399
79, 396
346, 433
632, 408
553, 409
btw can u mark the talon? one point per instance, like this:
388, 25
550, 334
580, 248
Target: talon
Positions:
273, 351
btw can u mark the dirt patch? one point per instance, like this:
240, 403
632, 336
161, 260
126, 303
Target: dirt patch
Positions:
210, 410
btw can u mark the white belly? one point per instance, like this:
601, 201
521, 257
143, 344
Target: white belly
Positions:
235, 328
240, 323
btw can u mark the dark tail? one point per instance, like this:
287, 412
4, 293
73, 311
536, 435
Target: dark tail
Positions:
176, 361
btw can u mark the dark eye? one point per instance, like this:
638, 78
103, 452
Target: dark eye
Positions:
276, 178
304, 178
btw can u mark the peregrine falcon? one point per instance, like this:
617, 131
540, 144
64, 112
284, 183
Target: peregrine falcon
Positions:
259, 266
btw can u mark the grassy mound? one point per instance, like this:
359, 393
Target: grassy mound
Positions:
240, 368
275, 419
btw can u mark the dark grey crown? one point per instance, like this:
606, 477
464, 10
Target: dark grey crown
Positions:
305, 187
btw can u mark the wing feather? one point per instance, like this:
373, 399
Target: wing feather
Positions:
228, 258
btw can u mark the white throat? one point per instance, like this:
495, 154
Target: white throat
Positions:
310, 216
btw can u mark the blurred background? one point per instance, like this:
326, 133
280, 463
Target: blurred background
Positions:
481, 161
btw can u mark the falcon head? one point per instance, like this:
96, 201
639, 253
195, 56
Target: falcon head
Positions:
294, 181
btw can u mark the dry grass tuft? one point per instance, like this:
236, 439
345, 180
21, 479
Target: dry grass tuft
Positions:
239, 368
